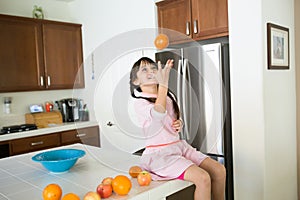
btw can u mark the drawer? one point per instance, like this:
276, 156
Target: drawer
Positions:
89, 136
34, 143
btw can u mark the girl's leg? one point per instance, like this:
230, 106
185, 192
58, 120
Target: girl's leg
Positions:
217, 174
202, 181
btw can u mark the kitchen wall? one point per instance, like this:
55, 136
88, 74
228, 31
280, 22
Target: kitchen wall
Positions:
279, 89
263, 101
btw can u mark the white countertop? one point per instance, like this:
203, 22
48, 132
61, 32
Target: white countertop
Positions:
22, 178
43, 131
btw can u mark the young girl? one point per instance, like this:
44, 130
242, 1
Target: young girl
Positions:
166, 156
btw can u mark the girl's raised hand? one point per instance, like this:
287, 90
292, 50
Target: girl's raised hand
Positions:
162, 75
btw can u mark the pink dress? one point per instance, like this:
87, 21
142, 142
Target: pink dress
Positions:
166, 156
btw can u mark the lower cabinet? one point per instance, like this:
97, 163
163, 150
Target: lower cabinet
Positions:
89, 136
4, 149
25, 145
187, 194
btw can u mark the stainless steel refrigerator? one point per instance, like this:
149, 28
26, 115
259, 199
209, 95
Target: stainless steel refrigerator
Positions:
200, 80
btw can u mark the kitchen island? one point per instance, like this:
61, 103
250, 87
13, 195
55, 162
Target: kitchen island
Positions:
22, 178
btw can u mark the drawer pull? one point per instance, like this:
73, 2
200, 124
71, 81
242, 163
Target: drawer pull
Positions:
36, 143
80, 135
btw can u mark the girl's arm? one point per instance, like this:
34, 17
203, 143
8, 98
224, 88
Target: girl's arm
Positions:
162, 77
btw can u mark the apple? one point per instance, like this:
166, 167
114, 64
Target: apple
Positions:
104, 190
107, 180
144, 178
92, 196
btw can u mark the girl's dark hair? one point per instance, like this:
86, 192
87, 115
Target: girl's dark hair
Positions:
133, 77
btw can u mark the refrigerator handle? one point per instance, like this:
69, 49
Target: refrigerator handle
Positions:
186, 91
179, 82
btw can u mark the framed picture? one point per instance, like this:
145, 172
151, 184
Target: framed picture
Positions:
278, 46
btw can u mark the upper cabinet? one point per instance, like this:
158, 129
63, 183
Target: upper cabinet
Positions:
39, 55
193, 19
62, 55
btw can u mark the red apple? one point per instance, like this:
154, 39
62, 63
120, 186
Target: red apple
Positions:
144, 178
104, 190
107, 180
92, 196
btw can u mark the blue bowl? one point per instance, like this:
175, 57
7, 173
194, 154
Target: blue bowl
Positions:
59, 161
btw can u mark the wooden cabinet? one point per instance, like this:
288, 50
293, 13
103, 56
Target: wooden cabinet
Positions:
4, 149
25, 145
39, 54
193, 19
63, 55
88, 136
20, 54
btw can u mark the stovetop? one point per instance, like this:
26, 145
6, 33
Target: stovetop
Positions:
17, 128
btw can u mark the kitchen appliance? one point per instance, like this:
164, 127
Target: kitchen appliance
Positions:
69, 109
36, 108
17, 128
201, 82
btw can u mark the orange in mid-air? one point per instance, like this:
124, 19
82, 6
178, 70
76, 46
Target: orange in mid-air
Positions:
121, 185
161, 41
134, 171
52, 192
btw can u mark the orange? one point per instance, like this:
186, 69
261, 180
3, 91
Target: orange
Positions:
70, 196
161, 41
121, 185
134, 171
52, 192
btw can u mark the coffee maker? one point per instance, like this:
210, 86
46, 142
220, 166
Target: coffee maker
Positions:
69, 109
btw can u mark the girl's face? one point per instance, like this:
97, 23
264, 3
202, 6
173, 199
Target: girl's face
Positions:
146, 75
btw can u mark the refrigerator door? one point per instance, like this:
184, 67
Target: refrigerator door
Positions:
192, 110
213, 93
175, 80
176, 55
196, 81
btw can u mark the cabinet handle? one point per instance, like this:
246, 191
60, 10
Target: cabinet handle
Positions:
187, 28
48, 80
81, 135
36, 143
42, 80
195, 26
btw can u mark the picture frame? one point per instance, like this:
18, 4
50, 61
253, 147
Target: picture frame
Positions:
278, 47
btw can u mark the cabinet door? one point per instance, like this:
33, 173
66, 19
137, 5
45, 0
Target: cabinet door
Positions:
21, 58
63, 55
176, 16
25, 145
89, 136
209, 18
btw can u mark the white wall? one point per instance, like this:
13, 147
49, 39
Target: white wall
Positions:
53, 10
280, 109
246, 67
263, 104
